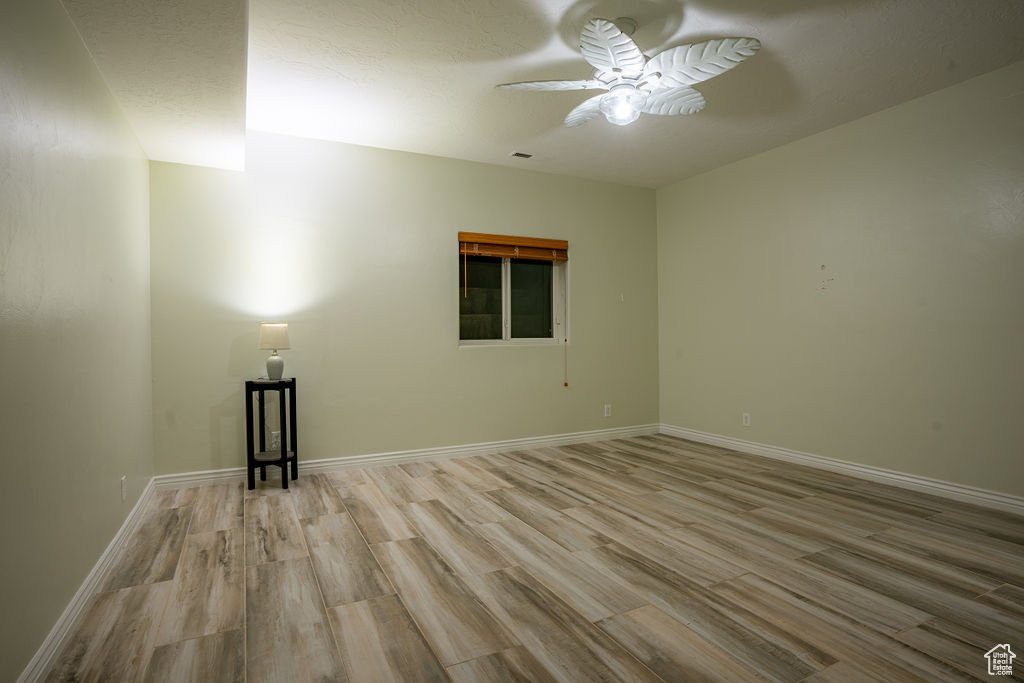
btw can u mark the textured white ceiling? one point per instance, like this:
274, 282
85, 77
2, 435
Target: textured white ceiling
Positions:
177, 67
419, 75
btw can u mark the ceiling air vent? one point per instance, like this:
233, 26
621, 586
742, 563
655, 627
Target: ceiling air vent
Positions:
521, 155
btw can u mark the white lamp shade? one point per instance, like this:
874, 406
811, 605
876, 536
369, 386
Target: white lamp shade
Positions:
274, 336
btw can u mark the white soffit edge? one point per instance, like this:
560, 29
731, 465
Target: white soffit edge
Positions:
177, 67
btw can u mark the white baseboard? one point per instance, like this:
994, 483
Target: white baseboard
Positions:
327, 464
937, 487
39, 666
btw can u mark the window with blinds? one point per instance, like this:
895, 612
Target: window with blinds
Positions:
512, 289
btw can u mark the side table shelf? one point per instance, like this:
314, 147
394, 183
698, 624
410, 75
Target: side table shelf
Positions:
255, 390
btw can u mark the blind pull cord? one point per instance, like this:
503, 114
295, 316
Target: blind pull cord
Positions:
565, 362
565, 334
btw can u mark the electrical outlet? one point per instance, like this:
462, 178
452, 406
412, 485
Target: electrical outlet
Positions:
124, 488
746, 419
275, 441
607, 409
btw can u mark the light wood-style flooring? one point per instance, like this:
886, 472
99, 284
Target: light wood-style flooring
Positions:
642, 559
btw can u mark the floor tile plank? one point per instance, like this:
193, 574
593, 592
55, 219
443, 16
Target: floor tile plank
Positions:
272, 530
565, 643
314, 495
459, 544
569, 488
916, 591
380, 642
831, 631
452, 618
756, 642
474, 476
560, 528
376, 516
543, 494
219, 657
986, 556
288, 635
419, 469
114, 637
943, 647
469, 504
672, 650
864, 604
840, 672
174, 497
700, 567
348, 477
593, 594
515, 665
1004, 527
395, 483
345, 568
1006, 597
209, 593
151, 554
218, 507
919, 566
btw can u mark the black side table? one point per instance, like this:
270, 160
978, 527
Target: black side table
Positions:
285, 389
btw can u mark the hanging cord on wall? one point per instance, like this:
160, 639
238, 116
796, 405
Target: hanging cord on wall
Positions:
565, 330
565, 362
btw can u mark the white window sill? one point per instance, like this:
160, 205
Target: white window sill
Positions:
494, 343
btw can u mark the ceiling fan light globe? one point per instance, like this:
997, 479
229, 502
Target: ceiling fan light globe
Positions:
622, 115
622, 106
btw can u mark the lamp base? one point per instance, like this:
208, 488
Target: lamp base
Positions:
275, 366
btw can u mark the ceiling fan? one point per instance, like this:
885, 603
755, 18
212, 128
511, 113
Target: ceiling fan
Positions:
635, 85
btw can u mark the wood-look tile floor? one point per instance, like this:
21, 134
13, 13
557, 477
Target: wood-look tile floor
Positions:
644, 559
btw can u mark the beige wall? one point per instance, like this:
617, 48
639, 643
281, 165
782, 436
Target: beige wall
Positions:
859, 291
74, 322
356, 249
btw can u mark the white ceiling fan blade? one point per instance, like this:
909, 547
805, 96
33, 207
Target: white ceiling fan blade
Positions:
674, 101
583, 112
607, 48
690, 64
554, 85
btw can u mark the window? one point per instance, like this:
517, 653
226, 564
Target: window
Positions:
511, 289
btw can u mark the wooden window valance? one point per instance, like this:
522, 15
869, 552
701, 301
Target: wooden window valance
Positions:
507, 246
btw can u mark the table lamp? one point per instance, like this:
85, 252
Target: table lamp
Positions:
274, 336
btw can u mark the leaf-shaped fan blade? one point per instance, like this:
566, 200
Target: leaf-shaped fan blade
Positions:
672, 101
554, 85
585, 111
689, 64
607, 48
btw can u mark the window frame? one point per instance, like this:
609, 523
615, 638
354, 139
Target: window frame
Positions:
559, 309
